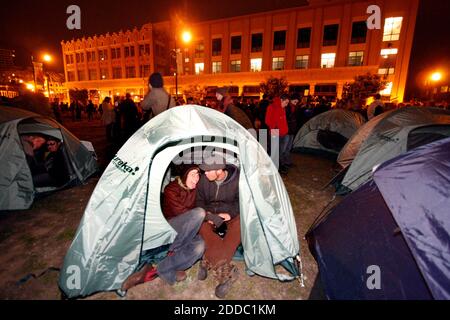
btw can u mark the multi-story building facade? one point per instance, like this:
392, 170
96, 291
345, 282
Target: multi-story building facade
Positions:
317, 48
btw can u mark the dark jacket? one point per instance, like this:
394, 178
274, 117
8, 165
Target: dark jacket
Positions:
177, 199
220, 199
55, 163
291, 117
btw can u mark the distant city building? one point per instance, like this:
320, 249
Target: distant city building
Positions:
6, 59
317, 48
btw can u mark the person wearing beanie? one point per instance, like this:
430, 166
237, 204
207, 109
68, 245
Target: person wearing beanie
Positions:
225, 105
218, 194
158, 99
186, 219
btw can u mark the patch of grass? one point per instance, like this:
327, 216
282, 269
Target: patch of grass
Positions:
27, 239
66, 235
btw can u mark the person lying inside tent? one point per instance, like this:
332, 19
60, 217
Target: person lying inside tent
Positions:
33, 148
218, 194
55, 163
180, 211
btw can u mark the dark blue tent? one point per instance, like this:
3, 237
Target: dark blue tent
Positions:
400, 222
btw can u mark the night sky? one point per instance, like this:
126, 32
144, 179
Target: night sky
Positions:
33, 27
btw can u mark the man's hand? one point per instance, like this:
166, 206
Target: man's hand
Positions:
225, 216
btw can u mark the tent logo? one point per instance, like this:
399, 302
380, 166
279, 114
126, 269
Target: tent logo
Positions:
123, 166
6, 136
374, 280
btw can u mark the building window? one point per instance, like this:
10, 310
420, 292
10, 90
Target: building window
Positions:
144, 50
389, 57
392, 28
359, 32
77, 55
115, 53
304, 38
104, 73
217, 47
279, 40
355, 58
70, 76
117, 73
130, 72
278, 63
92, 74
301, 62
257, 42
236, 45
256, 65
129, 51
328, 60
69, 59
81, 75
330, 35
103, 55
144, 71
235, 66
199, 68
199, 49
82, 57
217, 67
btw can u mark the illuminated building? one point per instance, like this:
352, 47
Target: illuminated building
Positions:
317, 48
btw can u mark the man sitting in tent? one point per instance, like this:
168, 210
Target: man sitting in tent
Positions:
218, 194
55, 162
188, 247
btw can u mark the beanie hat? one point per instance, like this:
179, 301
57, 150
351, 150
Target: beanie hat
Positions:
213, 162
156, 80
185, 169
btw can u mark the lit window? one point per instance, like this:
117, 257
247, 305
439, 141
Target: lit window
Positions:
235, 66
392, 27
256, 65
278, 63
386, 71
387, 52
328, 60
217, 67
199, 68
355, 58
301, 62
387, 91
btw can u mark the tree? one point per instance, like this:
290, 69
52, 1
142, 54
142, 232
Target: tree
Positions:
195, 91
363, 87
79, 95
274, 87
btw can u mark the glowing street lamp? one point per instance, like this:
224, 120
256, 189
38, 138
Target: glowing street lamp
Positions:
186, 36
47, 58
436, 76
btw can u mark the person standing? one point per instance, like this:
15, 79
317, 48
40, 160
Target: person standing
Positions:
278, 126
90, 110
158, 99
226, 105
373, 107
108, 118
129, 112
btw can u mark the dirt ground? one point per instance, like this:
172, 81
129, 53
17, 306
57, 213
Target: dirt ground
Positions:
38, 238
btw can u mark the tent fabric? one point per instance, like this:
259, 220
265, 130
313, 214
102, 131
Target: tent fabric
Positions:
385, 137
420, 204
343, 122
359, 233
400, 222
17, 191
111, 236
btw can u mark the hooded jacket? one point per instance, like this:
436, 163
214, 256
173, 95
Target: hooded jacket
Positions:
223, 198
276, 118
177, 199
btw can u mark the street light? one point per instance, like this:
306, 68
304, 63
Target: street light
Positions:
436, 76
47, 58
186, 36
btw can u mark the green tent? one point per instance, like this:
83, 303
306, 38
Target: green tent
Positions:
338, 122
17, 191
387, 136
123, 218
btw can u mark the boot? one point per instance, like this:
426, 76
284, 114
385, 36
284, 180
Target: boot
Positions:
147, 273
203, 270
226, 275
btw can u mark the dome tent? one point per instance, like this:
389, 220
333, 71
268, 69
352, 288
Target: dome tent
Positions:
17, 191
398, 222
123, 217
387, 136
327, 132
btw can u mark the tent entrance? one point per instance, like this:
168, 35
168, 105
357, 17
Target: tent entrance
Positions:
424, 135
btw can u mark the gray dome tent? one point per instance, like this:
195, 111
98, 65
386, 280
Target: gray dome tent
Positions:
17, 190
327, 132
123, 217
387, 136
